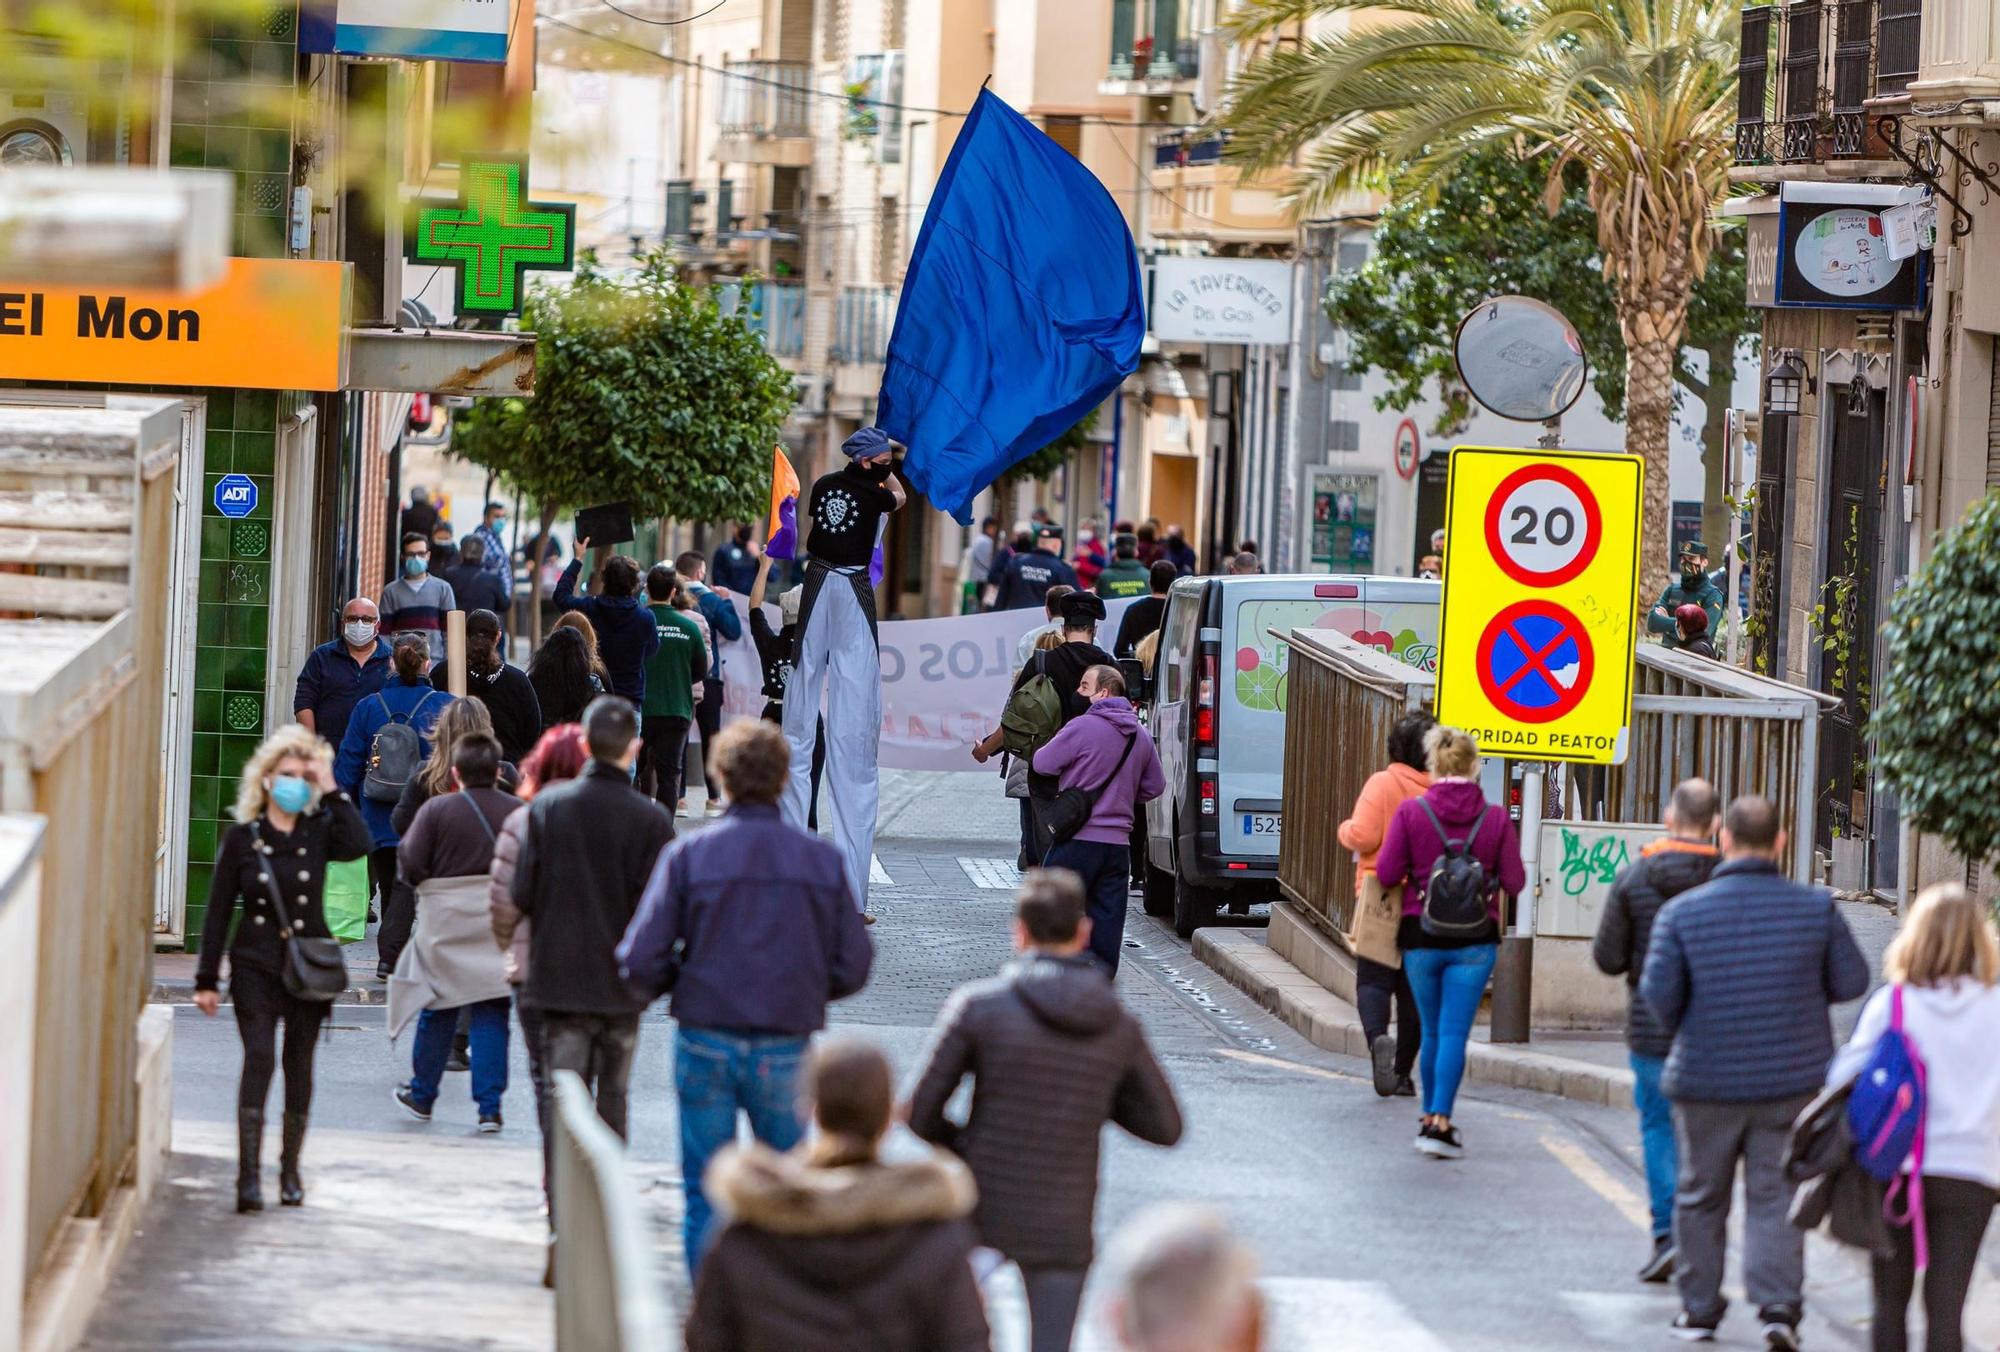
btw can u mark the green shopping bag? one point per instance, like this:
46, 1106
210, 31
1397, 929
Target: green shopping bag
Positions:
347, 898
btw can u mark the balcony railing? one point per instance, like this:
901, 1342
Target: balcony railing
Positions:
1178, 150
862, 322
765, 99
777, 313
1823, 64
1152, 40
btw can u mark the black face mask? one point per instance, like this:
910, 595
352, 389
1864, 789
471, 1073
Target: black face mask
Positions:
877, 474
1691, 576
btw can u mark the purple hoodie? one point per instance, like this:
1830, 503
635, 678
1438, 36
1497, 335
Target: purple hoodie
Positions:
1082, 755
1411, 844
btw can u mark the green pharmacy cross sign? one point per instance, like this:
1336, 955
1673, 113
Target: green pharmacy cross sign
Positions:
493, 234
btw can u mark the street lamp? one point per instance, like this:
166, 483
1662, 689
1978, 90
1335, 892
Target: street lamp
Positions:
1786, 384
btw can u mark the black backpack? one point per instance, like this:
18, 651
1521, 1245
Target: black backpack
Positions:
1455, 894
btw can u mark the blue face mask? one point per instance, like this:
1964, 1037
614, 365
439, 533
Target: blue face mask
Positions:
416, 567
290, 793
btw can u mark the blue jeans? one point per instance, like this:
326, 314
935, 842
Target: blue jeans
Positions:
1104, 870
488, 1052
1656, 1140
716, 1073
1447, 983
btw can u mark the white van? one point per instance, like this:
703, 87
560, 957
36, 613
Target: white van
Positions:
1218, 716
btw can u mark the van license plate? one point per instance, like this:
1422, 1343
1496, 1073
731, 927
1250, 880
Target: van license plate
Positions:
1261, 823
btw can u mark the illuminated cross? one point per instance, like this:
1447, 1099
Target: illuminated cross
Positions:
494, 234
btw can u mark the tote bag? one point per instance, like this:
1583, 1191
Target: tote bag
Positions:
1378, 913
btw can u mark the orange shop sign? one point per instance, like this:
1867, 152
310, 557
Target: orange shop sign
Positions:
269, 324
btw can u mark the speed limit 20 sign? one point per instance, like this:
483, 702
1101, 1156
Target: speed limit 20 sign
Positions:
1541, 585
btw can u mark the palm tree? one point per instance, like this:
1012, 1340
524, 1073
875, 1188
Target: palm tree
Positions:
1637, 94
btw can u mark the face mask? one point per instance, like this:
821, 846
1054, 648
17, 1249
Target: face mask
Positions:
416, 566
878, 474
1690, 575
359, 633
290, 793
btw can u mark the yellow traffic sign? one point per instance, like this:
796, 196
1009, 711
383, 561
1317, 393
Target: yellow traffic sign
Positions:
1541, 592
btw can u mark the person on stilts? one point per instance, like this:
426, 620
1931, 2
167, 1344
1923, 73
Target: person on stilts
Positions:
837, 651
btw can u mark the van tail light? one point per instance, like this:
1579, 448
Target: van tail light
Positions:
1204, 702
1208, 796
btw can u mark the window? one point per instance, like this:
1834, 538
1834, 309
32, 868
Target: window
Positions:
680, 208
1178, 641
1066, 130
874, 88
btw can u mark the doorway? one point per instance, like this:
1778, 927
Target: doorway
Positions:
1844, 623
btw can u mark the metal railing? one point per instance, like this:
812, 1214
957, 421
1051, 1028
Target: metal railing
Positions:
608, 1295
1150, 40
777, 313
1176, 149
1742, 732
863, 320
1825, 65
765, 99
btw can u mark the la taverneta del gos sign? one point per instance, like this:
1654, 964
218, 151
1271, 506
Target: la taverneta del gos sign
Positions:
270, 324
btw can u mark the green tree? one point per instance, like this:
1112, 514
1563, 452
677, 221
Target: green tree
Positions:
1488, 231
1938, 715
645, 392
1636, 94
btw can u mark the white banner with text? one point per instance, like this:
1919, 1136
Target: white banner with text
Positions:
944, 681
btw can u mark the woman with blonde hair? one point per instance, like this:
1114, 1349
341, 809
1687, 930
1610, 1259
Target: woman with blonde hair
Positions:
291, 819
1451, 842
1942, 969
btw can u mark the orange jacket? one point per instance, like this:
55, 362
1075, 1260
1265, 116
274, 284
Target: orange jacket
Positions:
1385, 791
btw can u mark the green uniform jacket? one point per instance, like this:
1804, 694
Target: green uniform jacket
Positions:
674, 671
1708, 596
1122, 578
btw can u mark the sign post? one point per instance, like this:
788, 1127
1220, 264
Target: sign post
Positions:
1535, 658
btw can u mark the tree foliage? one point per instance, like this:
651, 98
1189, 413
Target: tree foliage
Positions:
645, 392
1488, 232
1937, 720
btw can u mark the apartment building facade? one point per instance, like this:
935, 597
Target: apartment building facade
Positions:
1869, 131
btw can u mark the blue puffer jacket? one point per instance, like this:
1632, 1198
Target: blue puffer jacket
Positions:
1742, 972
415, 701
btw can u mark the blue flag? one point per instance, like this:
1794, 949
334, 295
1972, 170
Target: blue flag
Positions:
1022, 309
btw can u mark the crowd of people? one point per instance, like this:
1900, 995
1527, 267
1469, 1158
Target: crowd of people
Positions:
529, 875
1015, 570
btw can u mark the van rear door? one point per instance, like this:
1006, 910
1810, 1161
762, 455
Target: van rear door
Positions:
1398, 615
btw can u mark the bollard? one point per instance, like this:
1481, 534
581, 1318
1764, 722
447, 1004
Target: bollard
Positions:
1514, 972
454, 653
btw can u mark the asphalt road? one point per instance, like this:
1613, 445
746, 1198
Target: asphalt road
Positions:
427, 1236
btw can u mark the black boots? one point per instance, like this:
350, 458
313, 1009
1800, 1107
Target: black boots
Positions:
291, 1192
249, 1159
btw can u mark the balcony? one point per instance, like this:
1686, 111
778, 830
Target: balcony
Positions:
862, 322
1153, 49
1829, 69
764, 114
777, 313
1197, 194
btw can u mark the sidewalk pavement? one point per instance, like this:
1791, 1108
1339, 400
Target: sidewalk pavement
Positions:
1587, 1066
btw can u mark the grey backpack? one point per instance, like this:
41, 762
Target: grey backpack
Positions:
395, 753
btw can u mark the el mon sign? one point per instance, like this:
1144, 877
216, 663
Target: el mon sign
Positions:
275, 324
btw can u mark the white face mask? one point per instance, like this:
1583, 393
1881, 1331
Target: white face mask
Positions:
359, 633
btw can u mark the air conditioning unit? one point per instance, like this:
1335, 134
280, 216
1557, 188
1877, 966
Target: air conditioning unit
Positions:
810, 392
43, 130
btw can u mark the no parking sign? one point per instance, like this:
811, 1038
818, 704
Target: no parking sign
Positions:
1541, 585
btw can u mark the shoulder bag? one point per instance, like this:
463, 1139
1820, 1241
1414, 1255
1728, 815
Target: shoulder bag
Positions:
313, 968
1069, 811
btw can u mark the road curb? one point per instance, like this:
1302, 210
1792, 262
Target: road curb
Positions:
1331, 1023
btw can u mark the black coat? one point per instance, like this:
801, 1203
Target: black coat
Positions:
1830, 1186
860, 1257
1054, 1057
509, 696
1626, 927
587, 853
332, 831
